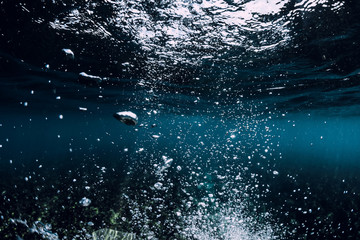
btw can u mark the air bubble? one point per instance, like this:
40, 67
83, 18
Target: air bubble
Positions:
85, 202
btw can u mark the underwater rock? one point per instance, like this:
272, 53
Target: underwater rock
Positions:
110, 234
129, 118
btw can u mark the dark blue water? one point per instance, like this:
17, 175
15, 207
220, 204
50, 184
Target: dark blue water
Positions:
248, 119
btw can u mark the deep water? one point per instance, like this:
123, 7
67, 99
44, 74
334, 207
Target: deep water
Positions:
248, 119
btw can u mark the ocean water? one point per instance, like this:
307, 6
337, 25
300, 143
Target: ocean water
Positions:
248, 119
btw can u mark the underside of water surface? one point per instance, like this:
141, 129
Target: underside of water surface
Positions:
166, 119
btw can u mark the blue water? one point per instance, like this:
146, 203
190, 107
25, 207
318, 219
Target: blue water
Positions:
248, 119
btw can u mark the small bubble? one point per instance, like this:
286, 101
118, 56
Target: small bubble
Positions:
158, 185
202, 204
61, 116
68, 53
167, 160
275, 172
85, 202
